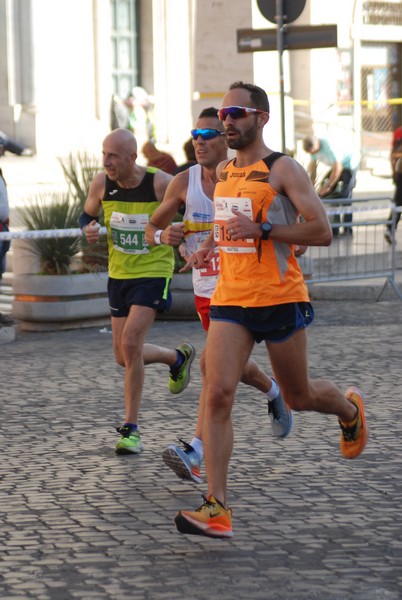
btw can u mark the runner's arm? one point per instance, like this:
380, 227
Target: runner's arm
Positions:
161, 220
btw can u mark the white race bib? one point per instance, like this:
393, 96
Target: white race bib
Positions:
128, 233
223, 212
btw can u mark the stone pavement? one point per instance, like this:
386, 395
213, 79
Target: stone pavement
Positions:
79, 522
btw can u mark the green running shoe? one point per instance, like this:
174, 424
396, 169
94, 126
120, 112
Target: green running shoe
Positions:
179, 378
130, 441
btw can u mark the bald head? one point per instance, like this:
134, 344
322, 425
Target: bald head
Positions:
123, 139
119, 152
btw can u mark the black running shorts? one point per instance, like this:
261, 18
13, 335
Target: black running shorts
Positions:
145, 291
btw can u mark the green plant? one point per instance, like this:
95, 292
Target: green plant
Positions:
79, 170
53, 211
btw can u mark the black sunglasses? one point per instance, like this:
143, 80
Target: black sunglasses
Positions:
206, 134
237, 112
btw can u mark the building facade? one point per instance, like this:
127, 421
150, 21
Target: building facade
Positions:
68, 69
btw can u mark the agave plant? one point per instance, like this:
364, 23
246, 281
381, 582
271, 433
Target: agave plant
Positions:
53, 211
79, 170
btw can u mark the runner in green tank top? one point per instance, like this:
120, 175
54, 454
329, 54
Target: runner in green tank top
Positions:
139, 275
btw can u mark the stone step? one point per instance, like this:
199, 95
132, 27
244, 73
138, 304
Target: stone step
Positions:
6, 293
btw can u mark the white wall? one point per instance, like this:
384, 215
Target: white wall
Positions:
266, 75
216, 62
64, 76
195, 61
171, 52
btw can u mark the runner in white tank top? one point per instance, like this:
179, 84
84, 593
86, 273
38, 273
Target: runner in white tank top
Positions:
198, 220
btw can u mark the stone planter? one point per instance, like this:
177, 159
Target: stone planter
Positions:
49, 302
24, 258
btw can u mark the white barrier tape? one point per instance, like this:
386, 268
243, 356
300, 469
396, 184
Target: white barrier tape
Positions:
44, 233
60, 233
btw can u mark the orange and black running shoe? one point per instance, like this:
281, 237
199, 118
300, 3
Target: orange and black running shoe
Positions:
354, 435
211, 519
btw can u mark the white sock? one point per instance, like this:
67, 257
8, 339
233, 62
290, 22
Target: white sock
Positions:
198, 446
274, 391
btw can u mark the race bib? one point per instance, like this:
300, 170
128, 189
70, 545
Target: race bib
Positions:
128, 233
213, 267
223, 212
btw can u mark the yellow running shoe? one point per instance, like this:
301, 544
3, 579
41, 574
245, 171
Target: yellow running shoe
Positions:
179, 378
212, 519
130, 441
354, 435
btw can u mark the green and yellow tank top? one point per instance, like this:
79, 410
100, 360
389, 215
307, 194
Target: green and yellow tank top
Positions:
126, 212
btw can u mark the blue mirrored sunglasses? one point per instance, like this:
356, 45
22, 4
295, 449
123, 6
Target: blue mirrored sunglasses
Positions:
237, 112
206, 134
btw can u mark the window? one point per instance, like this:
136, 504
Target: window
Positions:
125, 44
382, 13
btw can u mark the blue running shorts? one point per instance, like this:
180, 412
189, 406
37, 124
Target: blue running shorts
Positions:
270, 323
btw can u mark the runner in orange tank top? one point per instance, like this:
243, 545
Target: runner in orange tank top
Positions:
260, 296
272, 266
194, 189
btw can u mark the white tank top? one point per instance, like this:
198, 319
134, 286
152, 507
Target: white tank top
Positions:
198, 220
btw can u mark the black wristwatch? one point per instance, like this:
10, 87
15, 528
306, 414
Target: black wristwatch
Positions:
266, 230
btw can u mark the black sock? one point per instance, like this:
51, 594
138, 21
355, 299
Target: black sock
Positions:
130, 425
179, 361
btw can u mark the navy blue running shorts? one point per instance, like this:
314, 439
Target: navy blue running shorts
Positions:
270, 323
145, 291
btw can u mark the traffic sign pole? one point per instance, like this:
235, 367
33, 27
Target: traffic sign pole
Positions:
281, 13
280, 26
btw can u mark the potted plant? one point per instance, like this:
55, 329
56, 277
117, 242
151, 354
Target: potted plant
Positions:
47, 212
56, 282
79, 170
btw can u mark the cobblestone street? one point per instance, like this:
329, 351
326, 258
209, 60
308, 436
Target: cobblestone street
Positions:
80, 522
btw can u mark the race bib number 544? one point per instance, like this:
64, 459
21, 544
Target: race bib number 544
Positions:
128, 233
223, 212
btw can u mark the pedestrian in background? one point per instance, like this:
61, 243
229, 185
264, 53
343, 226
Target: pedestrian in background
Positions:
339, 181
4, 245
396, 167
158, 159
9, 145
188, 148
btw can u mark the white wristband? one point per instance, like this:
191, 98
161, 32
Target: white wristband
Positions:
157, 237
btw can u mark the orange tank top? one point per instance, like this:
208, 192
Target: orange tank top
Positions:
254, 272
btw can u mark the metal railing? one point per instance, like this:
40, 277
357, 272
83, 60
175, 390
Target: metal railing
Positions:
365, 254
359, 249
